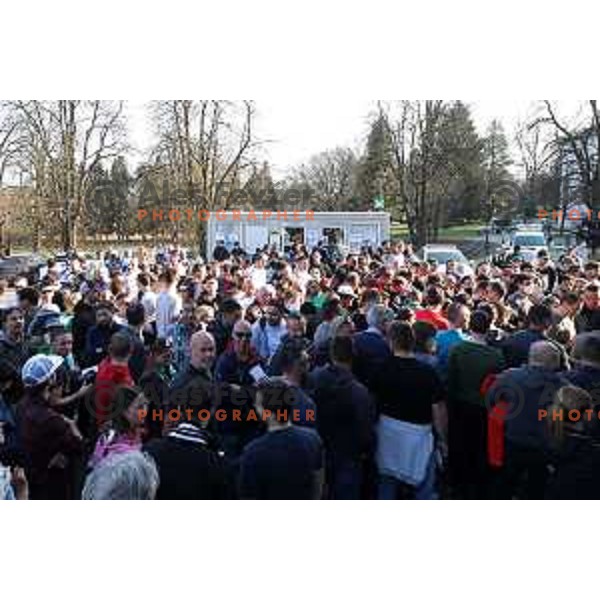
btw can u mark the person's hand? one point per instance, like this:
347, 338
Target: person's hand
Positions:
19, 483
83, 390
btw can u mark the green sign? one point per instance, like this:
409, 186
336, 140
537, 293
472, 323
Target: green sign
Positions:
379, 203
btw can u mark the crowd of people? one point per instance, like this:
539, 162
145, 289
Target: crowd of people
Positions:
300, 375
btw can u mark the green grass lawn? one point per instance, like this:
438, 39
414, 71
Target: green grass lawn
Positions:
455, 233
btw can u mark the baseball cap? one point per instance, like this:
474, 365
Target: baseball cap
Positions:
346, 290
40, 368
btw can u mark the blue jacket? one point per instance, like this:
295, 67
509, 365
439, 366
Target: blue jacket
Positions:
527, 390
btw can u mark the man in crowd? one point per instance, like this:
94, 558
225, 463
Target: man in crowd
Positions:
229, 313
588, 318
432, 313
268, 331
191, 388
168, 304
346, 421
563, 329
12, 344
113, 372
516, 347
526, 391
295, 330
51, 442
189, 464
586, 368
470, 363
405, 453
458, 321
294, 367
287, 461
240, 367
29, 300
140, 341
371, 347
98, 336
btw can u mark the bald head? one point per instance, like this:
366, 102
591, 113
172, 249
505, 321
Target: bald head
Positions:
242, 326
544, 354
202, 350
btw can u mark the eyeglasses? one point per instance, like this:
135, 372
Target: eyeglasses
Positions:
243, 336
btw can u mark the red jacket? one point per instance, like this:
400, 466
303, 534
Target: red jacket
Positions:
110, 376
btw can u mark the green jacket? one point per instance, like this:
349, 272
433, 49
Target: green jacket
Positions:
469, 364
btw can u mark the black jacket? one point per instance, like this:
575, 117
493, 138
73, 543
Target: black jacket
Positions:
577, 470
194, 388
189, 466
346, 412
96, 343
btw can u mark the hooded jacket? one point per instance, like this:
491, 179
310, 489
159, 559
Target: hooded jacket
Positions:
527, 390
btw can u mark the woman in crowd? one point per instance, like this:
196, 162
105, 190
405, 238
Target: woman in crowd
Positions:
124, 429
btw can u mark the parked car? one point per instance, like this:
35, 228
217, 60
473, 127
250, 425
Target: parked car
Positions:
529, 242
444, 253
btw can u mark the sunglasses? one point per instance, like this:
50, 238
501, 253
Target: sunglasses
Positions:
243, 336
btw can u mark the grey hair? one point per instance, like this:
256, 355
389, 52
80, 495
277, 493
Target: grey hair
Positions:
377, 316
125, 476
544, 354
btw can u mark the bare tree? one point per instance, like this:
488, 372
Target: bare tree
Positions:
8, 130
538, 153
330, 178
578, 144
421, 166
205, 147
60, 144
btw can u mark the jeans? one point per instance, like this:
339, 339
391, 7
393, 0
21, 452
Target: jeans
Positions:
390, 486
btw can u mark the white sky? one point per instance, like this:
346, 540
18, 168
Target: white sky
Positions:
296, 128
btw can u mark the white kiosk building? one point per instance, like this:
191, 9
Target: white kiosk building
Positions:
351, 230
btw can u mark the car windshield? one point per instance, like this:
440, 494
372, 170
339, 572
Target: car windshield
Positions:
443, 256
530, 240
